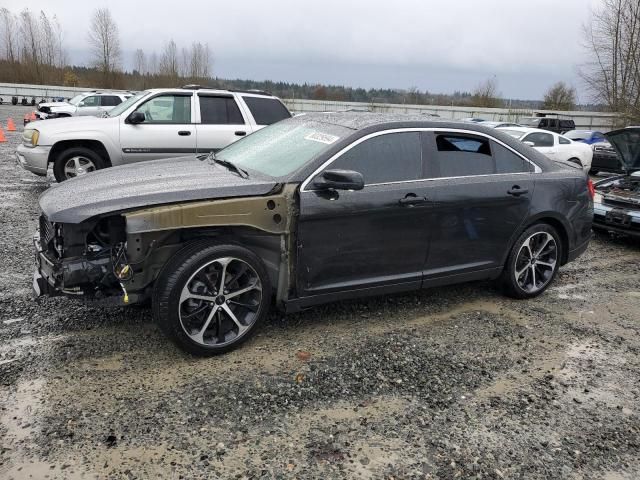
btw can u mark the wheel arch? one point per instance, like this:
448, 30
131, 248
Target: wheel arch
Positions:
94, 145
558, 224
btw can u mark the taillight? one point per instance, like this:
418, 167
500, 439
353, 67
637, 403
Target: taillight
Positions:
591, 188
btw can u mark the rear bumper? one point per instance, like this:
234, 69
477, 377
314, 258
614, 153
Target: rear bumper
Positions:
33, 159
579, 250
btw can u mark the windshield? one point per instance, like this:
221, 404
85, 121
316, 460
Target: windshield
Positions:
114, 112
76, 100
284, 147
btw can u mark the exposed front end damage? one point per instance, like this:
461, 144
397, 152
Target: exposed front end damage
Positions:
116, 258
617, 205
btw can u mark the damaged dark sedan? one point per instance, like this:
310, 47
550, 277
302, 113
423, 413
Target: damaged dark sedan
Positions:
617, 199
313, 209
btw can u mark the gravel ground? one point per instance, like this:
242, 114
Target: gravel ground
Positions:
456, 382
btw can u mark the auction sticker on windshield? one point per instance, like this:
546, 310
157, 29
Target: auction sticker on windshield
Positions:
321, 137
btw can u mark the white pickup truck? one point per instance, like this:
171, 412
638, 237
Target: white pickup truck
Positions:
153, 124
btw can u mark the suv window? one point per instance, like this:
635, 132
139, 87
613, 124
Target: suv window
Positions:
391, 157
544, 123
92, 101
539, 139
167, 109
110, 100
567, 124
220, 111
564, 141
463, 155
266, 110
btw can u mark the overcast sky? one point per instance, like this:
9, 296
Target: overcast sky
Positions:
433, 45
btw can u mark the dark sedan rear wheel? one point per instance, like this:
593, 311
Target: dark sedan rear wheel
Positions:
533, 262
210, 298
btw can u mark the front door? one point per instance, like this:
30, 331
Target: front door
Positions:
373, 237
167, 131
482, 198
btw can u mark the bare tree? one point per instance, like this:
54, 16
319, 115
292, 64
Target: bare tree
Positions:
199, 61
30, 37
169, 66
140, 62
105, 44
613, 41
8, 28
560, 97
486, 95
152, 67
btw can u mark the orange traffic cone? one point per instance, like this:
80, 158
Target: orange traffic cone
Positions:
2, 137
11, 127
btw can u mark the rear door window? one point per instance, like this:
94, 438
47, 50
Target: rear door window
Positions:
461, 156
564, 141
266, 110
110, 100
219, 110
539, 139
391, 157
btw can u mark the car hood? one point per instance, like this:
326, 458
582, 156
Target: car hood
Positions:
74, 124
626, 142
55, 104
146, 184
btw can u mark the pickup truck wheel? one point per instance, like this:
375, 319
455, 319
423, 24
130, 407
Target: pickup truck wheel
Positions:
75, 162
533, 262
209, 298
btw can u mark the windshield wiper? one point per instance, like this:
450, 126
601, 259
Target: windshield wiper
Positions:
226, 163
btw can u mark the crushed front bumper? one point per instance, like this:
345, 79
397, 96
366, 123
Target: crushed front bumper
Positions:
45, 274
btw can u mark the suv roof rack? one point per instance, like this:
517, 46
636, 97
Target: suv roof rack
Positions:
192, 86
257, 92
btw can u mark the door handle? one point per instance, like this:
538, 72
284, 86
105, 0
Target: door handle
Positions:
412, 200
240, 133
184, 133
516, 191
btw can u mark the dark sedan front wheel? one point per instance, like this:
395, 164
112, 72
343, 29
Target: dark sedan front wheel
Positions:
210, 298
533, 262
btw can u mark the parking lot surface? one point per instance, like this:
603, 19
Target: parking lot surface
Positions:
455, 382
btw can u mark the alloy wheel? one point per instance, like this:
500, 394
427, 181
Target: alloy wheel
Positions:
536, 262
76, 166
220, 302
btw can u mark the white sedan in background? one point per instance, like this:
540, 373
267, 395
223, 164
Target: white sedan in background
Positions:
554, 146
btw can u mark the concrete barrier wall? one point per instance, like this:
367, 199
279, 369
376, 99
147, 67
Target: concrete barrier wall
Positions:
584, 120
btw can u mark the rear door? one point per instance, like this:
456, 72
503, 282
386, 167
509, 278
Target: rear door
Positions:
219, 122
482, 198
167, 131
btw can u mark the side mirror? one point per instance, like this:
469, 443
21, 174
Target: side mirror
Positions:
136, 117
81, 104
339, 180
531, 144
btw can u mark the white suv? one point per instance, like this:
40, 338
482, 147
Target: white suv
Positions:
153, 124
92, 103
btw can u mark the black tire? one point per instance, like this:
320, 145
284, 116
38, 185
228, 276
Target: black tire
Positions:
510, 285
176, 276
59, 163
